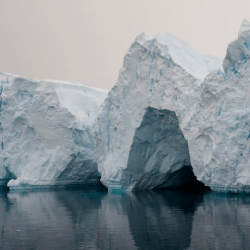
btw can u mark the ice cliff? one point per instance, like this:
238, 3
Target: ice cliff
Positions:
220, 137
47, 135
173, 112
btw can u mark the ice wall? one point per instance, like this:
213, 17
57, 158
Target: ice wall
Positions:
211, 109
220, 142
47, 133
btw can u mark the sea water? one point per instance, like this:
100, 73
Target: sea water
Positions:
92, 218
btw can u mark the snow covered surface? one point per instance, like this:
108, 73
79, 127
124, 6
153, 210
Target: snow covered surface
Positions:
172, 109
47, 135
182, 54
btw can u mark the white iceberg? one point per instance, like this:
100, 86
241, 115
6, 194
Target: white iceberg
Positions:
47, 135
172, 116
173, 111
220, 142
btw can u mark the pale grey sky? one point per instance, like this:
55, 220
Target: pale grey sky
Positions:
86, 40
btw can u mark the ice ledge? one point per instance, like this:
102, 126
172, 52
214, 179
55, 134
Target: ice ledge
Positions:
228, 189
56, 184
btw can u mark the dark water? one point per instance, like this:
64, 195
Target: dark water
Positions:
95, 219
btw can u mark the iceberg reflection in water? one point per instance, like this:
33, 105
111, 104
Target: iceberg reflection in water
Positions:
95, 219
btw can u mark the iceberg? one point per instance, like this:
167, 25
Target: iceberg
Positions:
174, 114
220, 142
47, 135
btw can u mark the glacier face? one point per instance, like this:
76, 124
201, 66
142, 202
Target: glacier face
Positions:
171, 109
47, 135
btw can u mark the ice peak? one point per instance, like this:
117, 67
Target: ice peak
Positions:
143, 37
245, 26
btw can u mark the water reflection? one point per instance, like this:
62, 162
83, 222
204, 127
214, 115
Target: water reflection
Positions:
95, 219
222, 221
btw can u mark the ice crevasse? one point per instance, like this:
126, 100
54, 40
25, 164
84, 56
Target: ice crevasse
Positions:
174, 112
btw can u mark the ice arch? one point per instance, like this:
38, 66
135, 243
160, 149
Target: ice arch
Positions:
212, 107
159, 155
156, 73
155, 155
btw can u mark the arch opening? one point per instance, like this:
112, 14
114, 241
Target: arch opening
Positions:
159, 156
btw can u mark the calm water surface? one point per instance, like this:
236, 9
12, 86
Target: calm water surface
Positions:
95, 219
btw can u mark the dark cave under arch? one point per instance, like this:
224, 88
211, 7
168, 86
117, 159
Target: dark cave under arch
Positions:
159, 155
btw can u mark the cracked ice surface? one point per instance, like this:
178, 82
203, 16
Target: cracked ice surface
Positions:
47, 133
211, 106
